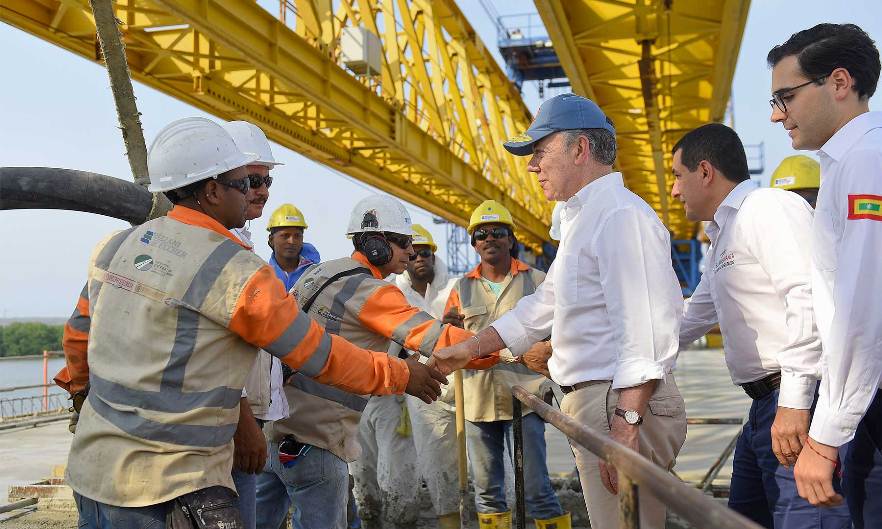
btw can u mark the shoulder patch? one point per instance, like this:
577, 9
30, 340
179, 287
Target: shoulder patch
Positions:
865, 207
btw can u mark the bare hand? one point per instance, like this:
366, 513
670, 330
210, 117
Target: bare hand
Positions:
536, 359
249, 444
789, 432
624, 434
814, 474
425, 381
453, 317
451, 358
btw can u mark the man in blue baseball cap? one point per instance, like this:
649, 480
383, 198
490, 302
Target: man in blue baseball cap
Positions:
610, 301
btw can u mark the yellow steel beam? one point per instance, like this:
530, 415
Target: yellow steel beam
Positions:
658, 68
426, 127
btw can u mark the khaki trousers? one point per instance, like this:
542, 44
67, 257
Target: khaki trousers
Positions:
661, 436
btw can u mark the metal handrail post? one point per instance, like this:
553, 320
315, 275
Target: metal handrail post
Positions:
517, 427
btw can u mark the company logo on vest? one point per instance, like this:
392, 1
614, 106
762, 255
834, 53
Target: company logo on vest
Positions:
143, 262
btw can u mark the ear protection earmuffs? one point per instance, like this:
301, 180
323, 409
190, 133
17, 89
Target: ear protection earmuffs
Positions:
376, 248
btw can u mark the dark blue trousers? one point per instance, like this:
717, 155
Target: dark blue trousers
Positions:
862, 469
764, 490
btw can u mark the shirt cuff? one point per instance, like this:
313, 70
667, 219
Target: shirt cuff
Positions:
797, 391
513, 334
833, 427
635, 371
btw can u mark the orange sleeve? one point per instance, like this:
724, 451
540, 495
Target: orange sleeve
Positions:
268, 317
75, 342
453, 301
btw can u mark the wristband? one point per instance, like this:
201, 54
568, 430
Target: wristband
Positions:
809, 444
478, 342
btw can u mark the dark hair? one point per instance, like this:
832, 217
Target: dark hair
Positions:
177, 195
825, 47
719, 145
601, 143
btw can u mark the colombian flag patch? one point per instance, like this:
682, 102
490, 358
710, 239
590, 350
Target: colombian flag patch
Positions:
865, 207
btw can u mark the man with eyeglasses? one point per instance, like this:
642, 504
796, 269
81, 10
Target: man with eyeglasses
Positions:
327, 428
486, 293
172, 317
822, 81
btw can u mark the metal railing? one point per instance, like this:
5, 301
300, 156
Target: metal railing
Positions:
636, 474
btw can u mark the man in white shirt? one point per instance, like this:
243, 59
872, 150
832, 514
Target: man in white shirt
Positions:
611, 302
822, 80
426, 285
757, 287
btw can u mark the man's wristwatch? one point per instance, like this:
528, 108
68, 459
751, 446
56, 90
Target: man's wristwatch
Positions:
631, 417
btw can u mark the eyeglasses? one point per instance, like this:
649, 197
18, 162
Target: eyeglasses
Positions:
257, 180
777, 100
402, 241
425, 253
497, 233
242, 185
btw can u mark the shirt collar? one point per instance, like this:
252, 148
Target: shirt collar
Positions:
731, 203
841, 142
362, 258
516, 268
192, 217
583, 195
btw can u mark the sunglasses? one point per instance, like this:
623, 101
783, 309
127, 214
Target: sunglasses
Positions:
425, 253
497, 233
402, 241
242, 185
257, 180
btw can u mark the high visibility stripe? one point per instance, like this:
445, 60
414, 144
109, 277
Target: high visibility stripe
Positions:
350, 287
164, 401
503, 366
188, 319
79, 321
190, 435
465, 295
430, 339
317, 360
105, 256
529, 285
401, 332
291, 336
307, 385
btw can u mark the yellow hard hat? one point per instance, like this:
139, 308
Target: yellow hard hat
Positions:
490, 212
797, 172
287, 216
422, 236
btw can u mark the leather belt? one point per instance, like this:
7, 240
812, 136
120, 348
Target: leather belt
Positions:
762, 388
575, 387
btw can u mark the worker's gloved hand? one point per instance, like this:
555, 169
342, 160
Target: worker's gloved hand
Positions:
249, 444
424, 382
453, 317
536, 359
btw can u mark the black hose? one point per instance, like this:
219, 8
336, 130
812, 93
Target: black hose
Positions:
52, 188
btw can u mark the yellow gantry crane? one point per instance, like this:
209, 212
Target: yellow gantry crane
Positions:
403, 95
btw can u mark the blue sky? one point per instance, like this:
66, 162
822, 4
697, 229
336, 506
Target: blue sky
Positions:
56, 110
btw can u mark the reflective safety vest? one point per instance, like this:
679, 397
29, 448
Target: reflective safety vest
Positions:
370, 313
488, 392
178, 311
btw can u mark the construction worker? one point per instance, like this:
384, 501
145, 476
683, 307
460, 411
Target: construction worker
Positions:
822, 81
262, 398
291, 256
178, 308
487, 292
760, 238
611, 302
349, 297
800, 174
426, 284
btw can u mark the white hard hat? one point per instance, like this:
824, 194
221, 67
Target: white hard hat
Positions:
380, 213
251, 140
189, 150
554, 232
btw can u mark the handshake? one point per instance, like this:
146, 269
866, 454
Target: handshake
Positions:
477, 352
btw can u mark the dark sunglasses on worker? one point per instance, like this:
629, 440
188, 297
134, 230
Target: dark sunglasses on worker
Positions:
257, 180
425, 253
497, 233
242, 184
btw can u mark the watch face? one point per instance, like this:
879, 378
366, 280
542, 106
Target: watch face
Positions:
631, 417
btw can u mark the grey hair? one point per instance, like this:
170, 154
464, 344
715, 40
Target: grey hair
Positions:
601, 142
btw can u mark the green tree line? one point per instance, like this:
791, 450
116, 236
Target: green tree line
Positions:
20, 339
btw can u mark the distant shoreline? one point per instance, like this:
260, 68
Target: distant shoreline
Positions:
47, 321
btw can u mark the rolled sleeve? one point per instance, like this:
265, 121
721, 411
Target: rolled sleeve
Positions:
513, 333
632, 372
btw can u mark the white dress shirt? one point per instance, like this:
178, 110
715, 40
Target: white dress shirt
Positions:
757, 286
847, 277
611, 300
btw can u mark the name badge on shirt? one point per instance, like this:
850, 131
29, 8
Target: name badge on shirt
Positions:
726, 260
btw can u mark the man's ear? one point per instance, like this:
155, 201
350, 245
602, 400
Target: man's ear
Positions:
212, 191
706, 172
583, 150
